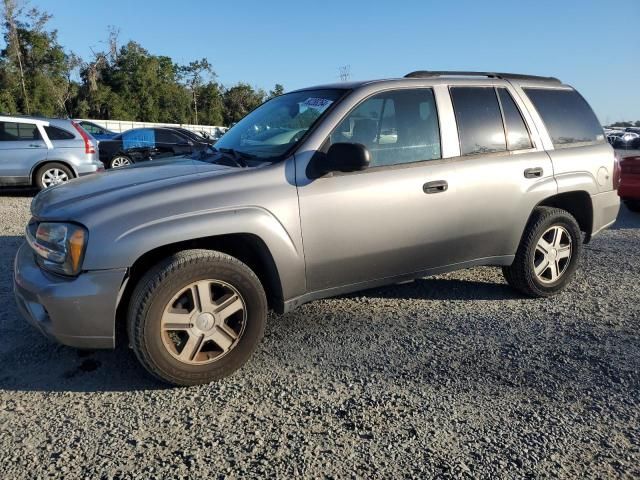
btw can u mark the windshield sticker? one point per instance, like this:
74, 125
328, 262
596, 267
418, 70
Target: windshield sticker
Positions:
317, 103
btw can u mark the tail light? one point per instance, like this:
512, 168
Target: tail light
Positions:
88, 146
616, 171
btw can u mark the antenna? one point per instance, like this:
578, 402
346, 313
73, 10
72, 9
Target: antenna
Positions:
344, 73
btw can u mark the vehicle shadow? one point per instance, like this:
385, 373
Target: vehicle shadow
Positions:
17, 192
30, 362
437, 288
626, 219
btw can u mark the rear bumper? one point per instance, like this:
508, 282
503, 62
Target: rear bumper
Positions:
79, 312
606, 206
89, 168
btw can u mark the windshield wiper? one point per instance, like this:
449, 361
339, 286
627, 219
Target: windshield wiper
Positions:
227, 153
239, 157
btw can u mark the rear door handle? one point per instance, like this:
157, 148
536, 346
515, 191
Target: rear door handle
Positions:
533, 172
437, 186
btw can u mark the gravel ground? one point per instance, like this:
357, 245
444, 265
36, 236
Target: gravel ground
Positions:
450, 376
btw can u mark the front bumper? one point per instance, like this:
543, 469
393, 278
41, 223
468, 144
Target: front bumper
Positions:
79, 312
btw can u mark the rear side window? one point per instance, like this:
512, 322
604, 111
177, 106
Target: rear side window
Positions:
517, 134
480, 128
55, 133
92, 128
15, 132
567, 116
170, 138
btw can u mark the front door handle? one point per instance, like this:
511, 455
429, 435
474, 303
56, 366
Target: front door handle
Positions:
437, 186
35, 145
533, 172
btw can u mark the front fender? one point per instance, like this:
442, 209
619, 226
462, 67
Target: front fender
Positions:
121, 250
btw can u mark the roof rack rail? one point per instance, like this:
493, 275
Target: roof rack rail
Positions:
504, 76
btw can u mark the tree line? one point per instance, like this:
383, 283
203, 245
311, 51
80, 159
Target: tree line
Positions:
38, 76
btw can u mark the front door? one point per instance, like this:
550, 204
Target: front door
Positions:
396, 217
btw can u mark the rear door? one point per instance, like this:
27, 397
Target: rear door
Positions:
21, 148
502, 171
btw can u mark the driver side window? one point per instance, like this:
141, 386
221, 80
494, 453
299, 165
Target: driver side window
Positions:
397, 127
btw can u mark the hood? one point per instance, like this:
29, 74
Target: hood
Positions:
63, 202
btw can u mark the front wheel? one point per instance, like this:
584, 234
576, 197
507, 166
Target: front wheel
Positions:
548, 254
196, 317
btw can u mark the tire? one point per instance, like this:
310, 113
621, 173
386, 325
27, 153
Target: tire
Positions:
632, 204
162, 350
119, 161
51, 174
538, 236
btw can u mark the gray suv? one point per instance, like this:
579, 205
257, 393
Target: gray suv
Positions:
316, 193
43, 152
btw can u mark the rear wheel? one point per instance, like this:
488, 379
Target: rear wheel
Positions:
196, 317
120, 161
548, 254
632, 204
52, 174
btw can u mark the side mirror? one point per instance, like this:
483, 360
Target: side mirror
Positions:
347, 157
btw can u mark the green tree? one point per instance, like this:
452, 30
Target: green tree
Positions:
240, 100
37, 73
211, 104
277, 91
194, 75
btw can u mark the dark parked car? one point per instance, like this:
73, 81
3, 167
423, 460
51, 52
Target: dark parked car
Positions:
194, 135
96, 131
627, 140
143, 144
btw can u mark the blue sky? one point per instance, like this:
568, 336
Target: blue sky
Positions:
593, 45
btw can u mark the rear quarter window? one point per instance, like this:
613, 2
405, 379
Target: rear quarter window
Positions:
55, 133
569, 119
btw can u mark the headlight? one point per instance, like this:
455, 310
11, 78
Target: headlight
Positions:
60, 246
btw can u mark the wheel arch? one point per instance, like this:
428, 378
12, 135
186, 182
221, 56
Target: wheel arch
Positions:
42, 163
579, 204
246, 247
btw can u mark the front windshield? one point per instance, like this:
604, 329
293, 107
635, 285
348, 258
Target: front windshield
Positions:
277, 125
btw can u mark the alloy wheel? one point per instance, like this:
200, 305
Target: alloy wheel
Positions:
552, 254
203, 322
54, 176
118, 162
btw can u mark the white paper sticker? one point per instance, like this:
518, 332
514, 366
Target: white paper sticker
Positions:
317, 103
